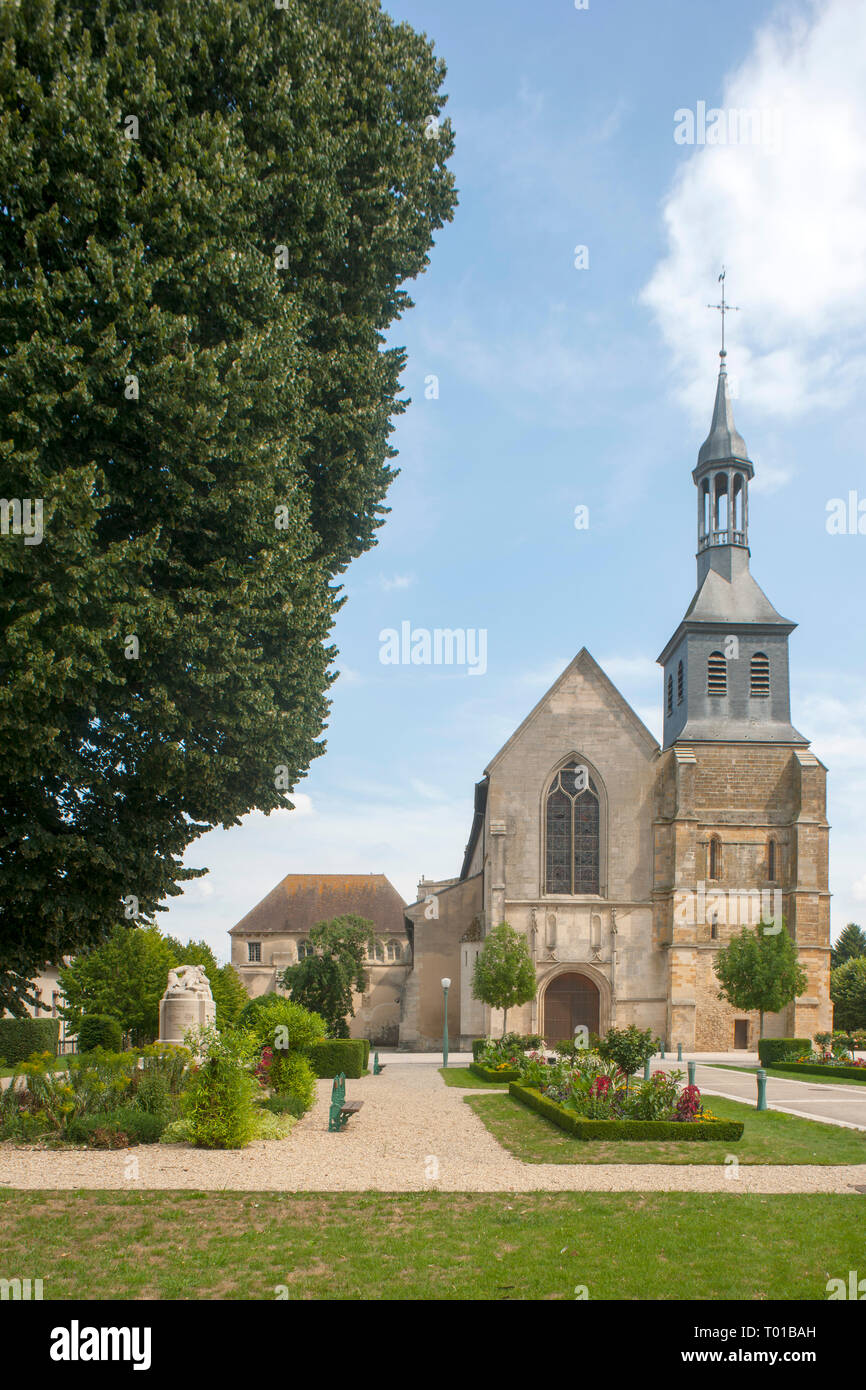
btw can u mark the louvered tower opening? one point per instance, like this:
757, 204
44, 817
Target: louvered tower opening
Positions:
717, 675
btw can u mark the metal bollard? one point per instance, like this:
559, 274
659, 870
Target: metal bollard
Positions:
663, 1051
762, 1089
646, 1070
376, 1067
679, 1052
692, 1066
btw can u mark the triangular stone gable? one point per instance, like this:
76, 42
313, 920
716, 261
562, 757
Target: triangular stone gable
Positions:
586, 667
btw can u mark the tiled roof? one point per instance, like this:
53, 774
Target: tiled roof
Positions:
302, 900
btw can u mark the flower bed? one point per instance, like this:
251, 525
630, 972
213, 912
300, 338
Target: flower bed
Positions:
503, 1072
700, 1128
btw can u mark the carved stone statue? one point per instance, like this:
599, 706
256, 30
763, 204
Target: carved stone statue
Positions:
187, 1003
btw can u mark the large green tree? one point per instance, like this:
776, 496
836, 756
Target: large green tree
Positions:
760, 970
848, 992
326, 980
850, 945
207, 213
504, 974
124, 977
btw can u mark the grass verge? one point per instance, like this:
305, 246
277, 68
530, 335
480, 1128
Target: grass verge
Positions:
462, 1076
437, 1245
768, 1137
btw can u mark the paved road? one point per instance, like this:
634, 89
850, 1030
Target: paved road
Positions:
834, 1103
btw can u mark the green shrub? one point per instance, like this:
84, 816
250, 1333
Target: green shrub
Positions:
286, 1026
335, 1055
24, 1125
292, 1076
490, 1074
366, 1042
774, 1050
268, 1125
479, 1045
706, 1131
21, 1037
99, 1030
218, 1101
152, 1094
284, 1105
115, 1130
246, 1019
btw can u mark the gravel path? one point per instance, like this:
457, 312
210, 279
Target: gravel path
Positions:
413, 1134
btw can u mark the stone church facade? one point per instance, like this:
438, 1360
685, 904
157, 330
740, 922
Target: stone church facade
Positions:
628, 865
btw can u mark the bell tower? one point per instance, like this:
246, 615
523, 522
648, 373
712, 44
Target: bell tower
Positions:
740, 827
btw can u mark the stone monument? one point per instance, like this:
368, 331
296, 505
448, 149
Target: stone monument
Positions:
187, 1003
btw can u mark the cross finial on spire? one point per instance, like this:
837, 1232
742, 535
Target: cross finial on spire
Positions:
724, 308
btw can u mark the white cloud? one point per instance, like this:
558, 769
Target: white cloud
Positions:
790, 225
396, 581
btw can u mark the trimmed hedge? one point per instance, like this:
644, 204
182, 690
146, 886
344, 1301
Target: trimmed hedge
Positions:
821, 1069
490, 1074
728, 1131
366, 1045
334, 1055
99, 1030
21, 1037
772, 1050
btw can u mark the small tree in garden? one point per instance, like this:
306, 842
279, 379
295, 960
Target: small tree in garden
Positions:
326, 981
504, 975
628, 1047
759, 971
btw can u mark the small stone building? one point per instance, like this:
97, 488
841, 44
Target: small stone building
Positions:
628, 865
276, 934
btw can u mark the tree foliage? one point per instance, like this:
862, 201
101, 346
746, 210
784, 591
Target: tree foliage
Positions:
504, 975
126, 976
848, 992
208, 212
850, 946
123, 978
327, 980
760, 970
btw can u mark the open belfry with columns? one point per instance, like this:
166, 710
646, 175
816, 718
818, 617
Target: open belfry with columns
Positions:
628, 865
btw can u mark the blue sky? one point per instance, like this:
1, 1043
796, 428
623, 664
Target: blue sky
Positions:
560, 387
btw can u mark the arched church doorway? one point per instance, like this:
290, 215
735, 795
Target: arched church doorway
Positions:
570, 1000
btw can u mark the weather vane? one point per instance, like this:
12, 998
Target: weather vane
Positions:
724, 308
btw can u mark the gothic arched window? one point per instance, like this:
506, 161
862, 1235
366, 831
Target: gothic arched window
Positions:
573, 830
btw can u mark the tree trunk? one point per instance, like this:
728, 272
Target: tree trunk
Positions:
761, 1034
504, 1021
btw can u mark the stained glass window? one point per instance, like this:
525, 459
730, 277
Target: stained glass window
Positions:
573, 821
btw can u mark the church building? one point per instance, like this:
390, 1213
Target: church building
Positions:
628, 865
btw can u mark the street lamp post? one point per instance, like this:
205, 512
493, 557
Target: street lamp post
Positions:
446, 985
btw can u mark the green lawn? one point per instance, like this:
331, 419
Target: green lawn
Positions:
769, 1137
787, 1074
60, 1064
462, 1076
436, 1245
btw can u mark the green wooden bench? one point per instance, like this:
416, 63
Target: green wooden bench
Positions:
341, 1109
